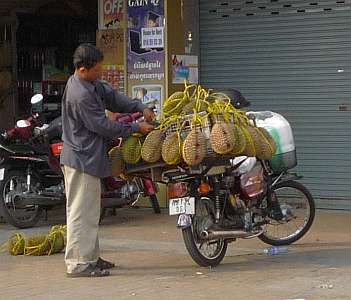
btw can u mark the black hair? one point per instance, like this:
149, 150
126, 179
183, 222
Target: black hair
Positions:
154, 17
87, 56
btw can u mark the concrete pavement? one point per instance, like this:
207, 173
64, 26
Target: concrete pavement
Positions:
153, 264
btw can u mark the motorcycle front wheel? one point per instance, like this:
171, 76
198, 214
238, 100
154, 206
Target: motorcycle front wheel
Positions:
204, 253
15, 182
298, 209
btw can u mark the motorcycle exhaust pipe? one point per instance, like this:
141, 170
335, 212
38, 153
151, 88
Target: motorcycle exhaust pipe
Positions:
224, 234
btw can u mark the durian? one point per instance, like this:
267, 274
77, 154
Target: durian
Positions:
152, 146
174, 104
194, 147
264, 149
250, 146
170, 149
131, 150
240, 140
269, 138
222, 138
189, 108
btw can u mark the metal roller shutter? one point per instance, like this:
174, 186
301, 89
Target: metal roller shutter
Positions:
294, 58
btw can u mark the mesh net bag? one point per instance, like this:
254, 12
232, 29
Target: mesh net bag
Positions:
41, 244
174, 104
131, 149
56, 239
46, 244
240, 140
263, 149
194, 147
269, 138
16, 244
222, 138
37, 245
249, 149
152, 146
171, 149
189, 107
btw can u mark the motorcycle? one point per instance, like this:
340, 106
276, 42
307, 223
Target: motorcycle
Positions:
217, 207
224, 199
31, 180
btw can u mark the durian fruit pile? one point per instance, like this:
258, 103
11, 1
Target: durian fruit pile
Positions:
198, 123
43, 244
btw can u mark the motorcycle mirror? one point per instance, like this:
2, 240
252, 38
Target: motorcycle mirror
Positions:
36, 99
22, 124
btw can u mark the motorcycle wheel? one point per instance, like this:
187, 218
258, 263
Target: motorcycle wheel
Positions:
298, 209
204, 253
20, 217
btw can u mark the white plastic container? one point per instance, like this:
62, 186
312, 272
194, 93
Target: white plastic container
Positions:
280, 129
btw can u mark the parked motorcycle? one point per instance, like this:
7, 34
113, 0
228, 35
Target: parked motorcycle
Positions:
224, 199
31, 180
217, 208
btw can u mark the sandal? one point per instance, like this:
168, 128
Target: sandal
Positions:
104, 264
90, 271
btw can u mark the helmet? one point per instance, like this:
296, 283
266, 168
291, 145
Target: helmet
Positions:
237, 99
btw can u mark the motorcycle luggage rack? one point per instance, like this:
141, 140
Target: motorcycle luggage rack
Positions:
147, 170
211, 167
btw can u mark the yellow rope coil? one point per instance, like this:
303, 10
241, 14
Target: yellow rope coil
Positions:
44, 244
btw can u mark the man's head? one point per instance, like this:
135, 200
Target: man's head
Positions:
152, 20
87, 60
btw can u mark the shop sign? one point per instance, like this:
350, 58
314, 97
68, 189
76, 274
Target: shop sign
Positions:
110, 14
133, 3
146, 53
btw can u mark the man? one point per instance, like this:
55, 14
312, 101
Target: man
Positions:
84, 159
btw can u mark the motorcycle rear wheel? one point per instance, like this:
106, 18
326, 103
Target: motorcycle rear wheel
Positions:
298, 203
19, 217
197, 248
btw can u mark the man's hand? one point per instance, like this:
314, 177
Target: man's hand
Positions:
145, 127
113, 116
148, 114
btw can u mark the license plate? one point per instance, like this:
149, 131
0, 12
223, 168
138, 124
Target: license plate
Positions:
184, 205
2, 172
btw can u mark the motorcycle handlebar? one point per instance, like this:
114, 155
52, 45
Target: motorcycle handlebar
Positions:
9, 133
129, 118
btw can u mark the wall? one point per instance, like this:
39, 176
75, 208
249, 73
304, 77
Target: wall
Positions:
182, 17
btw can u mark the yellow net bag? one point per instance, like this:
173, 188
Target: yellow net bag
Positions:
131, 149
